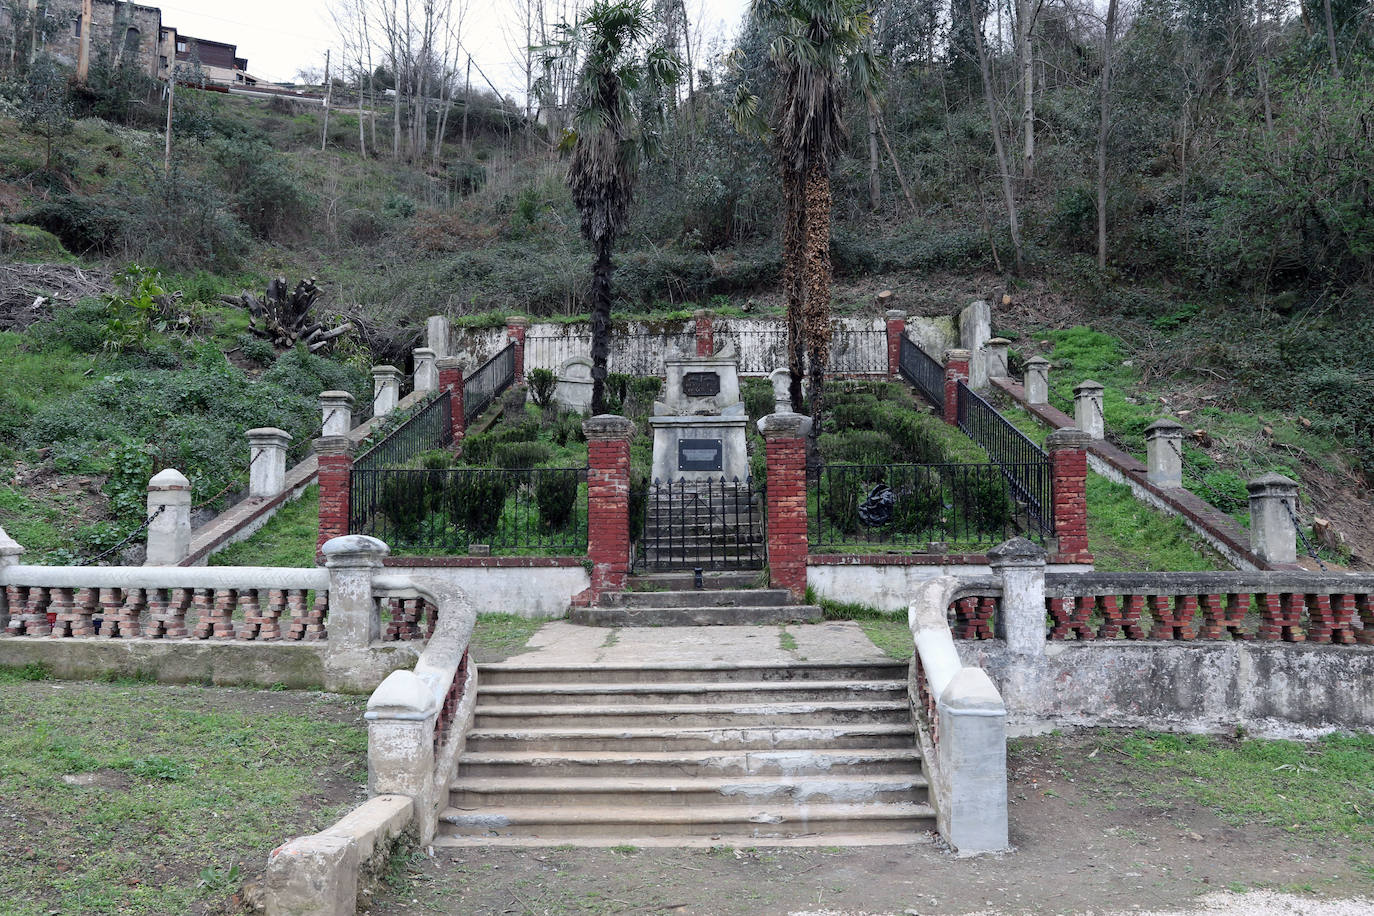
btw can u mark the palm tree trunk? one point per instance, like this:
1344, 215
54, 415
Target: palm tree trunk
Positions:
601, 322
793, 274
817, 313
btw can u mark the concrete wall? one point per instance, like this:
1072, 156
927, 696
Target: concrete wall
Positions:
298, 665
110, 36
889, 586
525, 590
1272, 689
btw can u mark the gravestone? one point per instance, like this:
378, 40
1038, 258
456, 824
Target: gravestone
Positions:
574, 388
699, 425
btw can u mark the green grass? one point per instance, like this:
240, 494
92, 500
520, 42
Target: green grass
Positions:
288, 538
891, 635
160, 800
498, 636
1125, 534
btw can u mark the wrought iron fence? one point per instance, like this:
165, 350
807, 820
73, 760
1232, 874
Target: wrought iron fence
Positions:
428, 428
935, 507
711, 524
761, 349
631, 353
920, 369
489, 380
535, 510
1025, 464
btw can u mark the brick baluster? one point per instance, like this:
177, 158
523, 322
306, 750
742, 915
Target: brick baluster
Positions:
1343, 619
956, 371
608, 504
706, 332
451, 380
335, 455
785, 442
515, 332
896, 327
1069, 470
1365, 607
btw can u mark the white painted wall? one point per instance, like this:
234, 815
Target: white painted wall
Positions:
537, 592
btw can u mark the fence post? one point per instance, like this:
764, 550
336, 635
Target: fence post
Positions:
451, 380
169, 533
426, 374
1037, 380
352, 560
10, 552
1069, 470
1164, 454
1087, 409
784, 437
997, 361
515, 333
608, 501
1021, 567
336, 413
896, 327
267, 461
1273, 534
437, 335
335, 456
386, 389
956, 371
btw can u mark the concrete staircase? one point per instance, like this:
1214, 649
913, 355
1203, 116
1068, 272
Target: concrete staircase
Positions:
669, 600
721, 524
717, 754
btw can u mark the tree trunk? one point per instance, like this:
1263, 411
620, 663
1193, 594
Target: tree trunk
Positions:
793, 275
1331, 37
328, 92
1103, 129
875, 188
1025, 52
1008, 195
817, 313
601, 322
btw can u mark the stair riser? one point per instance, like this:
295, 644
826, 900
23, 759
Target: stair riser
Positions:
724, 719
692, 617
724, 766
779, 795
787, 694
789, 739
760, 597
683, 581
495, 674
553, 830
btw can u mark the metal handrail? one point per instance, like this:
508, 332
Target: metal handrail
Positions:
1025, 464
922, 370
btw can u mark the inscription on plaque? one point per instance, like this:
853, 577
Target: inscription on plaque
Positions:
700, 384
699, 454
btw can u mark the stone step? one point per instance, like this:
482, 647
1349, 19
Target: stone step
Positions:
480, 794
700, 597
518, 673
714, 841
833, 762
669, 715
693, 617
574, 736
687, 692
712, 579
773, 821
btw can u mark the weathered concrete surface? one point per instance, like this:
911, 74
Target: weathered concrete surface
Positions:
312, 876
1274, 689
888, 588
535, 592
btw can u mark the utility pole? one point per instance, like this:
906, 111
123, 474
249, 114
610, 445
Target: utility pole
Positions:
328, 88
171, 97
83, 57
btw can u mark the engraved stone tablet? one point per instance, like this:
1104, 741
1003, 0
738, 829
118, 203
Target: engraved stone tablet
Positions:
699, 454
700, 384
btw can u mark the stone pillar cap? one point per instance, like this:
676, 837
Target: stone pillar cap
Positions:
169, 479
957, 353
1066, 438
894, 314
350, 549
784, 426
1163, 427
450, 362
1037, 361
333, 445
269, 432
1272, 484
402, 691
336, 398
1087, 386
608, 426
384, 370
1017, 552
998, 342
424, 353
517, 321
9, 547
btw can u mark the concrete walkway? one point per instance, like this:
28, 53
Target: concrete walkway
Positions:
562, 643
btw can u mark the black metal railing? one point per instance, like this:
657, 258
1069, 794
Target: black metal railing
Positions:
1025, 464
535, 510
707, 524
926, 507
922, 370
489, 380
428, 428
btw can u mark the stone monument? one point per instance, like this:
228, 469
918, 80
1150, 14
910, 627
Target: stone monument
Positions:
699, 426
574, 389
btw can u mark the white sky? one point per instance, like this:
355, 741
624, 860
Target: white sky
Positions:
280, 37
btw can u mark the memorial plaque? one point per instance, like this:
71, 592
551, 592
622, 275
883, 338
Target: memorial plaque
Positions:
700, 384
700, 454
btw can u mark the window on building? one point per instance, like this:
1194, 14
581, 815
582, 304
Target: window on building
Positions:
181, 46
76, 26
162, 61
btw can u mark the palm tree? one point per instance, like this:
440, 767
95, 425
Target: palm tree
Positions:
818, 52
609, 139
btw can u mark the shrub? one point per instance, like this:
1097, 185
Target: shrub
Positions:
475, 501
757, 395
842, 497
406, 500
985, 501
859, 446
542, 383
435, 459
84, 225
642, 394
918, 508
513, 455
555, 495
257, 350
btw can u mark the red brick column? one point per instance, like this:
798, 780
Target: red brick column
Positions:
335, 455
1069, 469
896, 327
706, 332
451, 380
515, 331
956, 371
608, 504
785, 439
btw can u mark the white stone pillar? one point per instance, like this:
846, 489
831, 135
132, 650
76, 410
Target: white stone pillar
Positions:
996, 350
436, 334
169, 533
1164, 454
1037, 380
782, 388
267, 461
975, 327
10, 552
386, 389
336, 413
1273, 507
1087, 409
352, 560
1020, 565
426, 369
972, 763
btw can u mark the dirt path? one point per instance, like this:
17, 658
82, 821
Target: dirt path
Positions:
1086, 842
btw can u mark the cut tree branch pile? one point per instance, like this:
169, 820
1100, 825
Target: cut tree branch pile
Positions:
28, 291
283, 316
